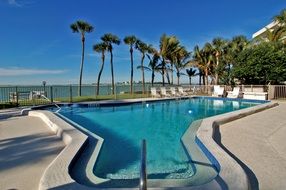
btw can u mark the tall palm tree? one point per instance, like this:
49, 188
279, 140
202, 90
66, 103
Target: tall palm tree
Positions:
131, 41
210, 59
81, 27
163, 53
100, 48
168, 44
191, 73
110, 39
232, 50
218, 45
181, 59
143, 48
153, 64
203, 58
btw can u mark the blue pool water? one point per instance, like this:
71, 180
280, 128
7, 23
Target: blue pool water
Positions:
161, 123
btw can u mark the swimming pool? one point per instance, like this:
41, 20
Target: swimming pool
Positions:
161, 123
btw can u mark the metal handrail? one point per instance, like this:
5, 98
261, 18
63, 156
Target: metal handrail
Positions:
143, 172
59, 108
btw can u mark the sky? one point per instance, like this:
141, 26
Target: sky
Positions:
37, 44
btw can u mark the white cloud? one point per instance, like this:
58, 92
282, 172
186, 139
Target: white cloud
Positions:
20, 3
7, 72
14, 3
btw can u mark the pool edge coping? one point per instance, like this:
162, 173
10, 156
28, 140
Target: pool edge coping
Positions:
57, 173
209, 127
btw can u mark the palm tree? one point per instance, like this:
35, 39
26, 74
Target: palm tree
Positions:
168, 45
110, 39
131, 41
100, 48
81, 27
143, 48
218, 45
203, 58
276, 34
191, 73
232, 50
239, 43
181, 57
153, 64
163, 52
281, 18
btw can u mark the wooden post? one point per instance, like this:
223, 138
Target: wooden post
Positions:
70, 93
51, 90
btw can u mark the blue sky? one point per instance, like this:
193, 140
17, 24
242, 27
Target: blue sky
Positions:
36, 42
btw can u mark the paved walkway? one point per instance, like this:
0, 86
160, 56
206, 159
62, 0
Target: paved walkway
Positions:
27, 147
258, 141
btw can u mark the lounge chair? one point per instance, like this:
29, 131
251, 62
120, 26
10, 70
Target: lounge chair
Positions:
181, 91
255, 93
154, 93
218, 91
235, 93
173, 91
164, 92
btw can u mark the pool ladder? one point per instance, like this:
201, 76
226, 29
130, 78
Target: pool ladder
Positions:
59, 108
143, 172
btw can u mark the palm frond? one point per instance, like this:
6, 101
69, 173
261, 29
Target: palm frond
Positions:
130, 40
82, 27
144, 67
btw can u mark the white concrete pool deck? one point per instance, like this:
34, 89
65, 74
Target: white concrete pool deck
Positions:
27, 147
258, 141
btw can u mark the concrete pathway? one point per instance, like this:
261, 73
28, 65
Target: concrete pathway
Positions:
27, 147
259, 143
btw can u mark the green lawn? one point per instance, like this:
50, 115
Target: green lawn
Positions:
102, 97
74, 99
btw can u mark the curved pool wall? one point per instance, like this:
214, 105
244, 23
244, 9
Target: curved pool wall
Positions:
214, 163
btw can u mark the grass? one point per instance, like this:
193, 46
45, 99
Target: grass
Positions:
102, 97
42, 101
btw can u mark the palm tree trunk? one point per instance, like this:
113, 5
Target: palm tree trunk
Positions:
99, 74
163, 72
190, 80
207, 76
207, 80
143, 76
153, 77
200, 77
216, 74
204, 79
131, 78
112, 74
178, 77
81, 65
228, 74
172, 74
168, 77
